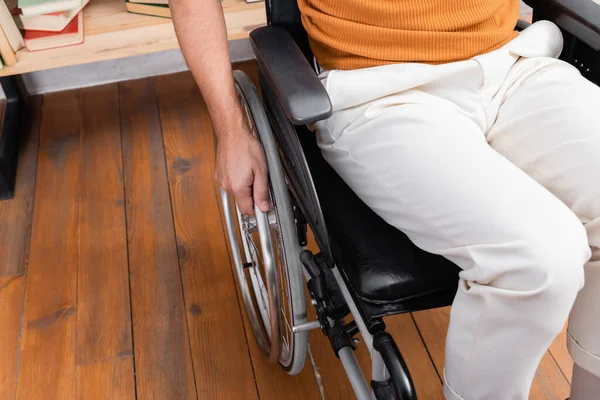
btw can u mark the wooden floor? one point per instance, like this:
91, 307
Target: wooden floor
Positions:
115, 280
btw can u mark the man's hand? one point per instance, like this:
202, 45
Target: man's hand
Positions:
242, 171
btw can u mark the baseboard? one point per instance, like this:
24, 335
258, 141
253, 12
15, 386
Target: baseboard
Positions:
93, 74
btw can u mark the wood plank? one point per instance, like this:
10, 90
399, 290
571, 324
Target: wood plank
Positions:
15, 214
163, 362
12, 293
15, 231
272, 381
561, 355
111, 32
110, 379
432, 325
213, 311
48, 356
549, 382
427, 381
103, 309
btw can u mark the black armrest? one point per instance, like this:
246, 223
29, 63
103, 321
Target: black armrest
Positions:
581, 18
290, 76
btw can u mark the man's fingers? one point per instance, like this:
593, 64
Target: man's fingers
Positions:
261, 190
243, 199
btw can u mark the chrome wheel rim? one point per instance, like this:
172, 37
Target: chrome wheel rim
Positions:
266, 252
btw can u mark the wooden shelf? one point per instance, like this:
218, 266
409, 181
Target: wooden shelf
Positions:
111, 32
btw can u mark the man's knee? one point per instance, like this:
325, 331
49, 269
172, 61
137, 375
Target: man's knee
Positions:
553, 262
551, 274
561, 254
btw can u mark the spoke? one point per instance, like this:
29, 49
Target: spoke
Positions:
255, 251
286, 320
285, 342
251, 224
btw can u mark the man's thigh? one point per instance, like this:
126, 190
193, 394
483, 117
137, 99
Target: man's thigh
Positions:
549, 126
428, 170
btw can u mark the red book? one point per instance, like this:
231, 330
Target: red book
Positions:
43, 40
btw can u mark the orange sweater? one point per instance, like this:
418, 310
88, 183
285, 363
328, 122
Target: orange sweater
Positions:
351, 34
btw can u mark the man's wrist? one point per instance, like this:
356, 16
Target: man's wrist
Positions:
230, 121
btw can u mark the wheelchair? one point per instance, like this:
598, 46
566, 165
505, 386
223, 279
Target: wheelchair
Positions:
365, 269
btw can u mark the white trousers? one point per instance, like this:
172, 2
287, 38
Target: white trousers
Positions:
493, 163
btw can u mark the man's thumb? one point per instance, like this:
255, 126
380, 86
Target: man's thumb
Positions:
261, 191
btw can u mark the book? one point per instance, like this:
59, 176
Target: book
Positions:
11, 30
156, 10
71, 35
39, 7
52, 22
6, 52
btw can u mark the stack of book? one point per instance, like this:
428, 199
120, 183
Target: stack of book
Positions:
51, 23
157, 8
39, 25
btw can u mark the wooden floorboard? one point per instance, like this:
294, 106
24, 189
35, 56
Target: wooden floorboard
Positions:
47, 365
12, 292
273, 383
432, 325
111, 379
163, 363
427, 381
208, 285
103, 303
15, 233
561, 355
549, 383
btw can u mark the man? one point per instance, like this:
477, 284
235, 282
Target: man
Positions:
473, 140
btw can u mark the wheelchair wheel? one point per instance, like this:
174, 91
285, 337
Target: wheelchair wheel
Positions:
266, 252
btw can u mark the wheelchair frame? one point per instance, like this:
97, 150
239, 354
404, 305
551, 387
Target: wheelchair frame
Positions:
329, 291
288, 110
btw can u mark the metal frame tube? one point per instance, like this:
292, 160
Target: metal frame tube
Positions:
378, 370
367, 337
355, 374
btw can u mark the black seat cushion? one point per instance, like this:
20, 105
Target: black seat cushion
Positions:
382, 264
